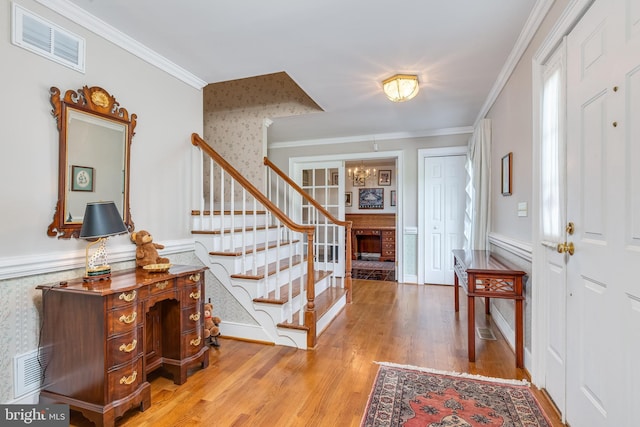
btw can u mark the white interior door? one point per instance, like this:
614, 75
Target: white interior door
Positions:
445, 180
603, 154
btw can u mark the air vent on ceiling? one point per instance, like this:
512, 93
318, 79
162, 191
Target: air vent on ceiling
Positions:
40, 36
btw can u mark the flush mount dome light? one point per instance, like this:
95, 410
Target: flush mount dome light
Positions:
401, 87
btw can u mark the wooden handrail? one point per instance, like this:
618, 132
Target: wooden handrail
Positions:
268, 204
304, 194
347, 224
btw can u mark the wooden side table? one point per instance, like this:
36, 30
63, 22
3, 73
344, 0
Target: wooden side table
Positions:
484, 275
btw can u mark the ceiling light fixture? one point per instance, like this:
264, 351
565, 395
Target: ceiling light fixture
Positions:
401, 87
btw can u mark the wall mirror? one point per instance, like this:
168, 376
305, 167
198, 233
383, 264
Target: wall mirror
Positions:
93, 161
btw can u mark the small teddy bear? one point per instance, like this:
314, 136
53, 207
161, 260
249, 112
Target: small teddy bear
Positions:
211, 328
146, 250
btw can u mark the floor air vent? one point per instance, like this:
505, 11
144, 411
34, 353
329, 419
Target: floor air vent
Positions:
485, 333
28, 371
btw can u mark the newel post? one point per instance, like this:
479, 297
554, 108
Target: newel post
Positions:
347, 273
310, 315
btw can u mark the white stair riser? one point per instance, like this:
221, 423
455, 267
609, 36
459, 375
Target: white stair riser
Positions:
217, 222
237, 240
236, 264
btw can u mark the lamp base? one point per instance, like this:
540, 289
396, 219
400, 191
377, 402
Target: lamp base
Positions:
99, 273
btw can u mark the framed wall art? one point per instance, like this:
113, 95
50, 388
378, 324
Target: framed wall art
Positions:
393, 197
371, 198
347, 198
384, 177
507, 163
82, 178
335, 178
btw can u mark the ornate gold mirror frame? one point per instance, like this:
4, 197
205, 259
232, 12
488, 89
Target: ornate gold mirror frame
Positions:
93, 161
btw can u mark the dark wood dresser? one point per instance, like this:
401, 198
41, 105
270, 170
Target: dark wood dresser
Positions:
104, 337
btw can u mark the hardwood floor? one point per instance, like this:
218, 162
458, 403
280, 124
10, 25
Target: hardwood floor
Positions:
264, 385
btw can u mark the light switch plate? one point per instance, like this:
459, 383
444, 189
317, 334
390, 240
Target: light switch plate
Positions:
522, 209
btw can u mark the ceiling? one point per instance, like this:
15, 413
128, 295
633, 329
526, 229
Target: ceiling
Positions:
338, 52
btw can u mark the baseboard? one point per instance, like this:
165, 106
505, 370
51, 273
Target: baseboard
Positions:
244, 332
509, 334
409, 278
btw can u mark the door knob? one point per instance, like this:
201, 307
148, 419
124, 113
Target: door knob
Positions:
566, 248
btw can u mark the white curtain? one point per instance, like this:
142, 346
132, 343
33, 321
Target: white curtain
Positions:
476, 227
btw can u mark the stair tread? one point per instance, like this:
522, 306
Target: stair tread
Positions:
295, 289
324, 301
249, 249
272, 269
235, 230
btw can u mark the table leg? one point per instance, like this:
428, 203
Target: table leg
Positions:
471, 328
456, 292
519, 335
487, 306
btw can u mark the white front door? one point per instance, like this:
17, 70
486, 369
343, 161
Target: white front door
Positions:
553, 224
603, 194
445, 180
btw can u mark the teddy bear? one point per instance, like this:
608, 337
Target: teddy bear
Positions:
211, 328
146, 250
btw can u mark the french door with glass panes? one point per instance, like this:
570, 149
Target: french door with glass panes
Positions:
324, 182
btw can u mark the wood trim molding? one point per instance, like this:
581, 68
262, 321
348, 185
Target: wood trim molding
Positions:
518, 248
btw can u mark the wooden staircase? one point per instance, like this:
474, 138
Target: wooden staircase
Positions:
268, 262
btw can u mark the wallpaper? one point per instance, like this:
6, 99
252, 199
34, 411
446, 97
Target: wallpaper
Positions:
234, 114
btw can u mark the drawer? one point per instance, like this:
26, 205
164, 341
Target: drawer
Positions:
124, 298
389, 246
192, 342
192, 318
161, 286
191, 295
389, 233
125, 380
124, 319
190, 279
124, 348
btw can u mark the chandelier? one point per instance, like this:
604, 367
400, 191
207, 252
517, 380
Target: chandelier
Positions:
361, 173
401, 87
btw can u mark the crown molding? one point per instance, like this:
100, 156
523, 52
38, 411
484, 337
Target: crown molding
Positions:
539, 11
369, 138
90, 22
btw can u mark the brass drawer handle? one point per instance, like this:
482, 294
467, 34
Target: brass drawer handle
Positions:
130, 379
195, 295
128, 319
162, 285
128, 297
195, 342
195, 316
128, 348
195, 277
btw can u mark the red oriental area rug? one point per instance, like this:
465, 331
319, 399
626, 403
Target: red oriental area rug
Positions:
412, 397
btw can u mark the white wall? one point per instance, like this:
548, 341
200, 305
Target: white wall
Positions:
168, 112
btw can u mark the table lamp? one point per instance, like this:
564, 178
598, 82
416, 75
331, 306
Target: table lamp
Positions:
101, 220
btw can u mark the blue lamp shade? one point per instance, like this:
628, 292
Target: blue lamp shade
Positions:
101, 219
